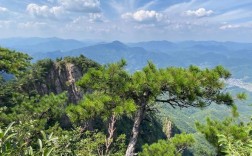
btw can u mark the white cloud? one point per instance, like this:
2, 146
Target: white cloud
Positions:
95, 17
31, 25
51, 1
92, 18
44, 11
143, 16
180, 20
245, 25
5, 23
89, 6
229, 26
201, 12
66, 7
144, 26
2, 9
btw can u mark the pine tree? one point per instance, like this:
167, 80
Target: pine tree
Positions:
177, 87
12, 62
108, 99
113, 91
171, 147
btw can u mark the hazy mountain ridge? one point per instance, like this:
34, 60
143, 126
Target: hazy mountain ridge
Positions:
234, 56
41, 45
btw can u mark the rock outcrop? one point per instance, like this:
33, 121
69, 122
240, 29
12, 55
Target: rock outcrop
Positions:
61, 77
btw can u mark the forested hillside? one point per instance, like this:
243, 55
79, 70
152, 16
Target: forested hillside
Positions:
75, 106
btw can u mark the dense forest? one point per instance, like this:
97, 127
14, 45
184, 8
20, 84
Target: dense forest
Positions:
75, 106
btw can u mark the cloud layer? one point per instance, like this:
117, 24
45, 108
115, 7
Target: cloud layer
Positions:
143, 16
129, 20
2, 9
44, 11
90, 6
201, 12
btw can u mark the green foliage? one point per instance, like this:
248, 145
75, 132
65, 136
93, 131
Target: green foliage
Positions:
110, 93
73, 142
172, 147
47, 146
228, 136
42, 110
82, 62
9, 93
100, 105
11, 143
13, 62
33, 115
93, 143
41, 68
113, 91
109, 85
201, 147
6, 143
183, 87
232, 146
242, 96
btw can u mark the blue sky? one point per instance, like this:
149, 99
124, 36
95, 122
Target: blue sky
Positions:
128, 20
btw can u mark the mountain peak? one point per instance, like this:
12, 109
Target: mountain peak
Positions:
117, 42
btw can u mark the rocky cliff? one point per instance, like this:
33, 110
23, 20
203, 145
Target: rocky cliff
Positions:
59, 76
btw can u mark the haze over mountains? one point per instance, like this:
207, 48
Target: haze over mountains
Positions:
236, 57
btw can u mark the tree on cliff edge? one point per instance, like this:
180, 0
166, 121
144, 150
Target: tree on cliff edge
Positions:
178, 87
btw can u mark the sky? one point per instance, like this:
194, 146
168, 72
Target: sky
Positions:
128, 20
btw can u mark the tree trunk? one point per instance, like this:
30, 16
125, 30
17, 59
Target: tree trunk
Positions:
135, 130
168, 128
111, 131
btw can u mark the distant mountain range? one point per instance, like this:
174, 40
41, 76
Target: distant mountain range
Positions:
42, 45
237, 57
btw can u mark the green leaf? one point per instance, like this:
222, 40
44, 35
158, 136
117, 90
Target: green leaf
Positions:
40, 145
8, 128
